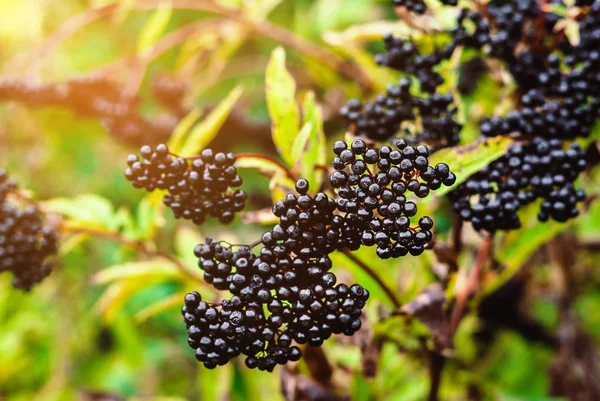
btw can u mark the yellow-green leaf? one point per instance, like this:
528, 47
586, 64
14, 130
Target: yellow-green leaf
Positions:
205, 131
572, 32
172, 302
465, 161
143, 270
182, 129
281, 102
89, 209
309, 147
116, 296
370, 31
264, 165
518, 245
149, 215
155, 27
215, 384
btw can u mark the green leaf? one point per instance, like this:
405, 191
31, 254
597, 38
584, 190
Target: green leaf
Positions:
466, 160
215, 384
301, 142
182, 129
370, 31
155, 27
572, 32
309, 147
149, 215
281, 102
173, 302
264, 165
143, 270
518, 245
281, 186
258, 10
116, 296
89, 209
186, 240
206, 130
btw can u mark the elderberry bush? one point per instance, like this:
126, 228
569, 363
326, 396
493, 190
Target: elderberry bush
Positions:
373, 186
26, 243
196, 189
491, 198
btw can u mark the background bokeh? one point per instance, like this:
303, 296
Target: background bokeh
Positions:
102, 329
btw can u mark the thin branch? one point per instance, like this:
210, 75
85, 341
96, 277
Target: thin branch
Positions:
66, 30
457, 230
289, 173
436, 366
470, 287
324, 55
391, 295
265, 28
255, 243
140, 61
140, 246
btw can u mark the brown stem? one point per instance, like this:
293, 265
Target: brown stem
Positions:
255, 243
457, 230
436, 366
466, 292
140, 246
290, 174
265, 28
375, 277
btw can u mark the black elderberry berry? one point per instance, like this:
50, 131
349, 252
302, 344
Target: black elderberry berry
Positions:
26, 242
385, 194
196, 189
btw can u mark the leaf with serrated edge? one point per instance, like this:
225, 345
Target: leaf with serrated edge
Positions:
281, 102
206, 130
466, 160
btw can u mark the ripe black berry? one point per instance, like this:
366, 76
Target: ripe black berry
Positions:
491, 198
26, 242
197, 188
375, 204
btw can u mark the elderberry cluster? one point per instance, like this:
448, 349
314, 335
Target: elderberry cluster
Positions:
25, 242
310, 226
197, 188
397, 113
557, 100
373, 186
403, 55
560, 80
491, 198
281, 295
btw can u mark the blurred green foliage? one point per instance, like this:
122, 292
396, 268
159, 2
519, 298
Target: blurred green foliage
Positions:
107, 323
